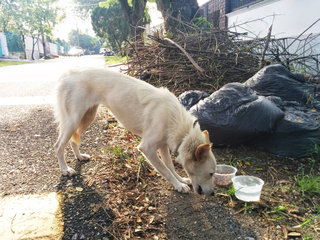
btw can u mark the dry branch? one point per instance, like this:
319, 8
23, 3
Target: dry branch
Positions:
207, 60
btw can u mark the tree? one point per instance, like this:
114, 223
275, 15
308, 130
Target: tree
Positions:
108, 23
136, 15
134, 11
40, 18
175, 9
84, 7
8, 10
34, 18
84, 41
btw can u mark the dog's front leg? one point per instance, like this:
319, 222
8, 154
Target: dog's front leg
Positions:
150, 153
166, 158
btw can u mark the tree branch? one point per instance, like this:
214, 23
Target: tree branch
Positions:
185, 53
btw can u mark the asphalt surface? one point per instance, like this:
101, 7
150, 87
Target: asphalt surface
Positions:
27, 127
28, 164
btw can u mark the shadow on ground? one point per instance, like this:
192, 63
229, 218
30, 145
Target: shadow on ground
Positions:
192, 217
85, 217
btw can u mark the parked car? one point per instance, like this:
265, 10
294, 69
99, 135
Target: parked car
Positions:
76, 51
109, 53
102, 50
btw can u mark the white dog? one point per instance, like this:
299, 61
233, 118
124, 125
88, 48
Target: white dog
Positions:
153, 113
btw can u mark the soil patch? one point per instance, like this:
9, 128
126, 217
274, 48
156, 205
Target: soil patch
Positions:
118, 195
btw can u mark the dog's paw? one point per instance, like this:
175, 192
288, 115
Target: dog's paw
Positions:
186, 180
183, 188
84, 157
69, 172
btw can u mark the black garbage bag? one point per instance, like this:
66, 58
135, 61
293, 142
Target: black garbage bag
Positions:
276, 80
275, 110
296, 135
190, 98
235, 114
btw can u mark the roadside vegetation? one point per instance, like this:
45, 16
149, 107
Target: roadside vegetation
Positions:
111, 60
9, 63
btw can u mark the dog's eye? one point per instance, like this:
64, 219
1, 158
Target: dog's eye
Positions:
211, 174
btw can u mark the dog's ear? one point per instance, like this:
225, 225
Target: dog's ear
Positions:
206, 136
202, 151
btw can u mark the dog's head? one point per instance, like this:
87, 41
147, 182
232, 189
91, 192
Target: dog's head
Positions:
200, 166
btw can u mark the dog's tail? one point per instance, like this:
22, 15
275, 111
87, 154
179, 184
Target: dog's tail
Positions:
63, 92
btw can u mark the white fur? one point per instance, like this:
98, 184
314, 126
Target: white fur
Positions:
153, 113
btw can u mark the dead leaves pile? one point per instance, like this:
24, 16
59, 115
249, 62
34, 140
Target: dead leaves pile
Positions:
120, 176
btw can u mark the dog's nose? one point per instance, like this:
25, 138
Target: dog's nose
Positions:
200, 190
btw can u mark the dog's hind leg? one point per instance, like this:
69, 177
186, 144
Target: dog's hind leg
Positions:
85, 122
149, 150
166, 158
65, 134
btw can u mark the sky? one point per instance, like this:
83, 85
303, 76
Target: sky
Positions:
72, 21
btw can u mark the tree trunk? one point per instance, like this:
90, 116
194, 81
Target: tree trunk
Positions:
182, 10
32, 52
44, 48
33, 45
24, 46
134, 15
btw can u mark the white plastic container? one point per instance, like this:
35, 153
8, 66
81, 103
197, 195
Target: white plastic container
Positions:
224, 174
247, 188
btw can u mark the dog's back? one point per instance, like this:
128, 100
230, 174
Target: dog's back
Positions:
136, 104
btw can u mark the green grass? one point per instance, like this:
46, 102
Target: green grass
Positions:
111, 60
121, 155
9, 63
308, 183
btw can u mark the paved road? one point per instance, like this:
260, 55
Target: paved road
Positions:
37, 80
27, 127
28, 166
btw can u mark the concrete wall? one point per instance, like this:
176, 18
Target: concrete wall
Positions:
4, 47
29, 44
51, 48
289, 17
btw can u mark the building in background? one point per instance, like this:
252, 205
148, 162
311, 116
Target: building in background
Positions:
288, 17
11, 46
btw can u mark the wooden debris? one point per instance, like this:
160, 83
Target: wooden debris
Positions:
203, 61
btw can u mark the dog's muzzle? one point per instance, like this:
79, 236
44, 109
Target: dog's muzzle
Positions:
200, 191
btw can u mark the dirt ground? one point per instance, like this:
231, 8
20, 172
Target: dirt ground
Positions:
117, 195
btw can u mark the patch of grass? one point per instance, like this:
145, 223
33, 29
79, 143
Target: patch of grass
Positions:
279, 213
122, 156
5, 63
308, 183
111, 60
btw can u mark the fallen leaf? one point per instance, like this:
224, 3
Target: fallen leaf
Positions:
139, 220
128, 166
294, 234
313, 110
285, 231
79, 189
152, 208
153, 172
298, 121
151, 219
138, 229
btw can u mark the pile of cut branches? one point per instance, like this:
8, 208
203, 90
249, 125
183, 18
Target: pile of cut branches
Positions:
207, 60
202, 61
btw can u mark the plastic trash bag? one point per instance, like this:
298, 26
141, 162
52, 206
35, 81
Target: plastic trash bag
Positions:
235, 114
275, 110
